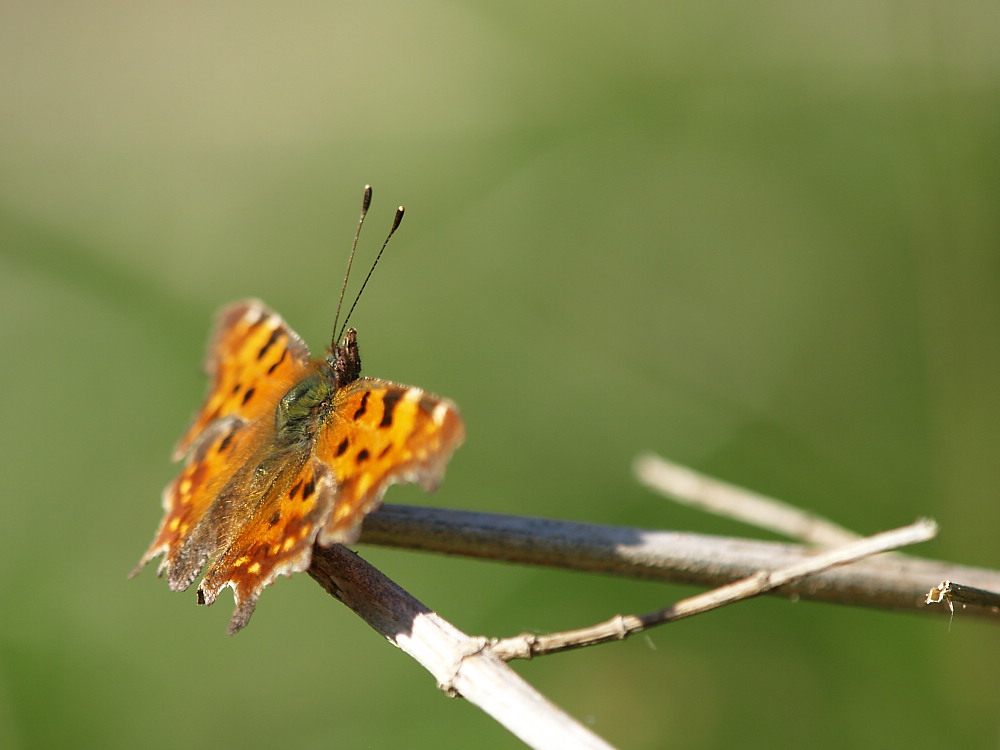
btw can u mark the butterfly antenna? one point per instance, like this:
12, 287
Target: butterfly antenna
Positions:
395, 225
365, 203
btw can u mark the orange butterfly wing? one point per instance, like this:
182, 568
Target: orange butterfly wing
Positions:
380, 433
276, 540
253, 357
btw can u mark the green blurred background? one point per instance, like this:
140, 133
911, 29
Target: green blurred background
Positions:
760, 239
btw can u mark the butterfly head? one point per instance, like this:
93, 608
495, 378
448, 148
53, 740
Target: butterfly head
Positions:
345, 360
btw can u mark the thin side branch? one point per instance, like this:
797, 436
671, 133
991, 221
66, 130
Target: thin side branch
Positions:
686, 486
529, 645
460, 663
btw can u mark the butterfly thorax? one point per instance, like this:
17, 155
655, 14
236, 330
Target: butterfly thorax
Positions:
303, 407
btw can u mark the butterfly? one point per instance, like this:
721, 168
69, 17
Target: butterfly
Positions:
288, 451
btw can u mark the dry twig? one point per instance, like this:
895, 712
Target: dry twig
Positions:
619, 627
459, 662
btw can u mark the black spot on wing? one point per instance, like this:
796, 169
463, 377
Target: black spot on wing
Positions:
270, 342
226, 441
389, 400
364, 405
272, 368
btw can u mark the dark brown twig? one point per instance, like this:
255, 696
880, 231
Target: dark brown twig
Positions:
893, 582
